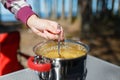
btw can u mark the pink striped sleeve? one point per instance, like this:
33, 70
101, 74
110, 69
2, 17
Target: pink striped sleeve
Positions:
24, 13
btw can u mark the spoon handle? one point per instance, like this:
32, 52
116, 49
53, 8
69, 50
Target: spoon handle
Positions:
59, 27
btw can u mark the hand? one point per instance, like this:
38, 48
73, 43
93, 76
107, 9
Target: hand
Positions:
45, 28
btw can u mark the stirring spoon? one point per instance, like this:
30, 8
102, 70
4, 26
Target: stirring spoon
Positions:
59, 27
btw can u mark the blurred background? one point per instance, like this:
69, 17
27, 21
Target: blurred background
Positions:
94, 22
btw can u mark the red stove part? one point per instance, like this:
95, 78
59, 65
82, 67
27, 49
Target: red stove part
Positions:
38, 67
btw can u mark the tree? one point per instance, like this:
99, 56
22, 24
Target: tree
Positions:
63, 11
70, 11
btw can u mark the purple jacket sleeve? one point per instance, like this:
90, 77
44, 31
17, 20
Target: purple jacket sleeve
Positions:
20, 8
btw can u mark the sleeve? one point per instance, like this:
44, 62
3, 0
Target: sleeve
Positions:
20, 8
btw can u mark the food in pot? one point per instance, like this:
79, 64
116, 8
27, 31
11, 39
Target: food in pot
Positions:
68, 50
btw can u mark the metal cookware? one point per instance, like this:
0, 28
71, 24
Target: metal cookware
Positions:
59, 68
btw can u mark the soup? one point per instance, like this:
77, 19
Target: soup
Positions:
67, 51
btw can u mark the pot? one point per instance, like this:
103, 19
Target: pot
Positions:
50, 66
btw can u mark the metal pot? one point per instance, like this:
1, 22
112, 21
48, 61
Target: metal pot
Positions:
59, 68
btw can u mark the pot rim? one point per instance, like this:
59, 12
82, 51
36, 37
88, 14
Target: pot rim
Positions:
67, 40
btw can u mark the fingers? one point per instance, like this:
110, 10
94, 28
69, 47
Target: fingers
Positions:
47, 29
59, 27
53, 30
45, 34
39, 33
51, 36
52, 27
62, 34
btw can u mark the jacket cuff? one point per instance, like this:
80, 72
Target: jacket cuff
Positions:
24, 13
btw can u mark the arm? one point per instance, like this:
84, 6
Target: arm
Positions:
23, 12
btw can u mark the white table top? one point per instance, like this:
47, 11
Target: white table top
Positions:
97, 70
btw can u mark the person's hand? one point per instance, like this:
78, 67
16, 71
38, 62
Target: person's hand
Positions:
45, 28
